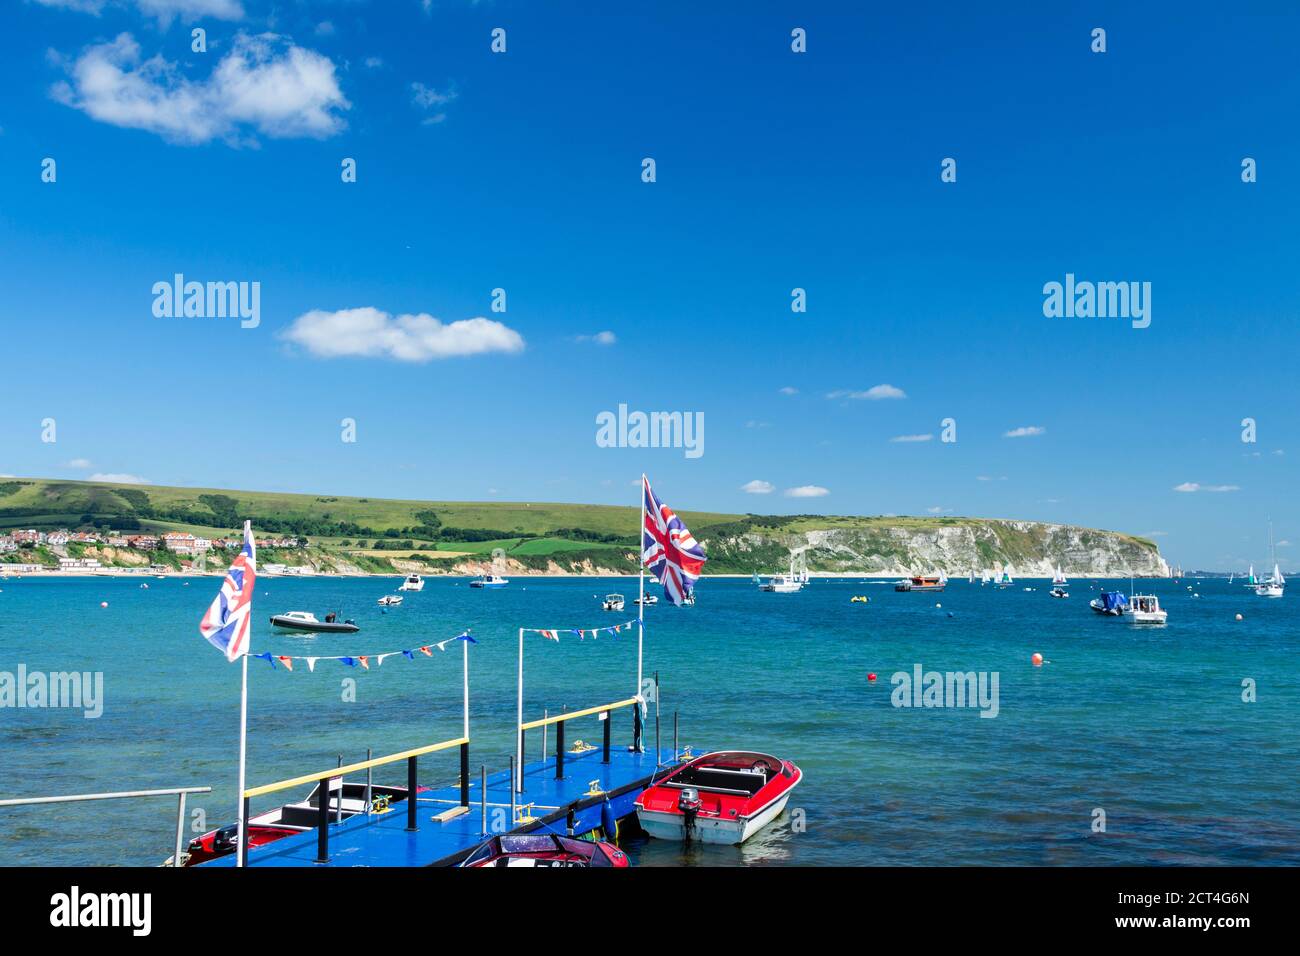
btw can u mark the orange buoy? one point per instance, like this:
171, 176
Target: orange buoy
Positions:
871, 678
1038, 660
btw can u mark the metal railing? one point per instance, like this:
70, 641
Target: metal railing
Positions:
323, 778
559, 720
179, 792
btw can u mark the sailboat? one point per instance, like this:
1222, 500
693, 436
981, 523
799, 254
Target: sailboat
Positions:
1250, 578
1003, 579
1271, 586
1059, 576
984, 578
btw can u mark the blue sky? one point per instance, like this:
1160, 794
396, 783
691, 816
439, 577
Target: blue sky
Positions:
775, 170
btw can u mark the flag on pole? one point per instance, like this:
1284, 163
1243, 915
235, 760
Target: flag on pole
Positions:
228, 622
669, 549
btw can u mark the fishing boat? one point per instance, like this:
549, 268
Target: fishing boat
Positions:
723, 797
1145, 609
489, 581
928, 582
390, 600
783, 583
306, 621
613, 602
545, 850
1110, 603
413, 582
294, 818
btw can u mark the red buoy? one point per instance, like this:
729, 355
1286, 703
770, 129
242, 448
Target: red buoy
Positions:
1038, 660
871, 678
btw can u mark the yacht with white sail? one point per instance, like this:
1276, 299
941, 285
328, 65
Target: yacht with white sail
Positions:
1273, 585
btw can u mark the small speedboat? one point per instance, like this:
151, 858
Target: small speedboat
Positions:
1110, 603
489, 581
306, 621
723, 797
545, 850
648, 601
689, 599
613, 602
1059, 592
413, 582
390, 600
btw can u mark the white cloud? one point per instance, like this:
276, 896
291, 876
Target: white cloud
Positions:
789, 390
990, 478
1156, 534
1284, 543
117, 478
370, 333
264, 84
600, 338
79, 463
912, 438
936, 510
1025, 431
427, 98
757, 487
325, 29
373, 62
162, 10
1192, 486
874, 394
753, 423
807, 491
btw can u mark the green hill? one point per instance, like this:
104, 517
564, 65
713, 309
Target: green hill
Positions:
356, 532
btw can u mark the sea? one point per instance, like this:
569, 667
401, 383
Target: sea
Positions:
1127, 745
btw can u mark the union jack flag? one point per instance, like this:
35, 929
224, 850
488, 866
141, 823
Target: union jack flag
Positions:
669, 549
227, 623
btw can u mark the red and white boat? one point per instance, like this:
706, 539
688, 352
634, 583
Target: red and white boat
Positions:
545, 850
722, 797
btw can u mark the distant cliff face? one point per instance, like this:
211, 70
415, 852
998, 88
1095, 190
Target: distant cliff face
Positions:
955, 546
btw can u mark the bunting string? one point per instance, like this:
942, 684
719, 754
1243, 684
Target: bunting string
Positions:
360, 660
553, 633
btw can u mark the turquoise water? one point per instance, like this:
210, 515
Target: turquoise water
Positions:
1145, 724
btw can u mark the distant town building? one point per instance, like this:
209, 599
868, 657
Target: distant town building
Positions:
178, 542
7, 544
57, 538
77, 564
30, 536
143, 542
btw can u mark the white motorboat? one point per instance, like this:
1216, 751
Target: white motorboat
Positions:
648, 601
783, 583
413, 582
390, 600
1059, 592
1145, 609
489, 581
306, 621
613, 602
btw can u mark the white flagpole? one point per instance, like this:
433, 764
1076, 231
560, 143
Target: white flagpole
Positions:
465, 685
640, 608
243, 750
519, 733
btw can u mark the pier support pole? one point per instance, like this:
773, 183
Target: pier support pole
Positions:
675, 736
411, 785
609, 719
243, 844
559, 751
483, 788
180, 827
518, 776
658, 753
323, 821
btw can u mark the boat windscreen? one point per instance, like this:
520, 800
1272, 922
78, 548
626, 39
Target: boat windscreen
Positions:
527, 843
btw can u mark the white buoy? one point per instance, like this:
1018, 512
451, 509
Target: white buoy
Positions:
1238, 617
938, 605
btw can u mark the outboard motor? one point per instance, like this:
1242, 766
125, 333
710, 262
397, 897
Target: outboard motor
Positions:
224, 840
689, 803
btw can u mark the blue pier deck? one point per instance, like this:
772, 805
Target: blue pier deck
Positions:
383, 840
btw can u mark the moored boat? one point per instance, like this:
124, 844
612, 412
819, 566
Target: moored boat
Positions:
306, 621
413, 582
390, 600
489, 581
723, 797
613, 602
1110, 603
648, 601
1059, 592
1145, 609
929, 582
545, 850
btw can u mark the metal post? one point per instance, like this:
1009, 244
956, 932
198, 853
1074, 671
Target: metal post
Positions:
512, 798
464, 775
658, 753
370, 776
483, 788
243, 845
609, 719
180, 827
411, 825
338, 814
517, 779
546, 713
323, 821
636, 726
559, 751
675, 751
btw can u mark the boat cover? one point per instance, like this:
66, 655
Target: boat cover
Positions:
1110, 600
